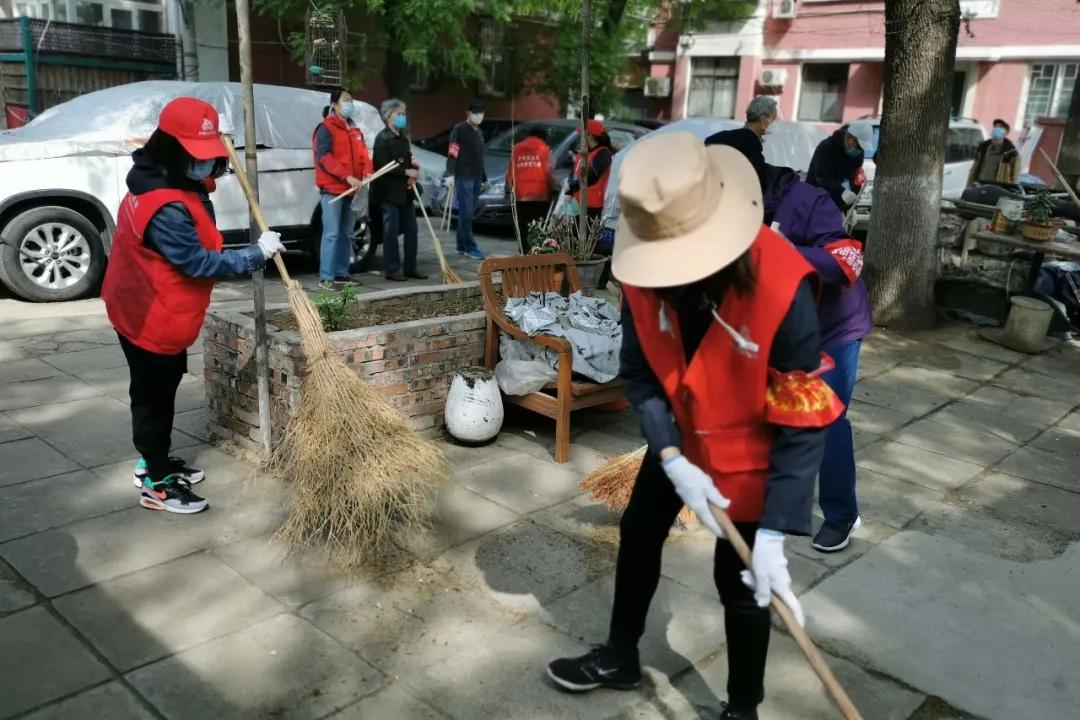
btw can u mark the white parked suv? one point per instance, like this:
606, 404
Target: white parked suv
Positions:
964, 138
62, 178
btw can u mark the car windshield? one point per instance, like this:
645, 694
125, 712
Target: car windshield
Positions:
505, 142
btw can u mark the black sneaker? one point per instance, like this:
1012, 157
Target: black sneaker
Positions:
173, 494
834, 536
179, 467
602, 667
731, 713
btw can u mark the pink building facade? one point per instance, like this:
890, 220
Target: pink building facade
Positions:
822, 59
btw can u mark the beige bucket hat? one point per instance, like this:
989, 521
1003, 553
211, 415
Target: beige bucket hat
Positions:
687, 211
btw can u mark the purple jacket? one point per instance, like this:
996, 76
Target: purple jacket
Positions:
808, 218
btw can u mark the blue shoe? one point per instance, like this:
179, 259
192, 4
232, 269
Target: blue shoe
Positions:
476, 254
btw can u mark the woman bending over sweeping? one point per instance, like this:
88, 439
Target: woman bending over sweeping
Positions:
720, 331
165, 256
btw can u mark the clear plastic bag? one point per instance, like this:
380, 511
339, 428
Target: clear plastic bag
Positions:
520, 372
359, 202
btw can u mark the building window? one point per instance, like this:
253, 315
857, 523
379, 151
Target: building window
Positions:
122, 19
822, 96
714, 85
150, 21
1050, 91
493, 59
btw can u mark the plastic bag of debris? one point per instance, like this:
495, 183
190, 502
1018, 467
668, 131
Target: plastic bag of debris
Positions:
522, 369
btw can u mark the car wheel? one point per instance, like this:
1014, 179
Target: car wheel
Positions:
51, 254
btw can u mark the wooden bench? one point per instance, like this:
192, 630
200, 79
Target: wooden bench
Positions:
521, 276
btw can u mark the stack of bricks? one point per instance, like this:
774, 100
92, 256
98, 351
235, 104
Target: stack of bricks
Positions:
411, 364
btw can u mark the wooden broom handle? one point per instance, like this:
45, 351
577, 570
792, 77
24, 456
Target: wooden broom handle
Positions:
368, 180
1061, 178
847, 707
249, 192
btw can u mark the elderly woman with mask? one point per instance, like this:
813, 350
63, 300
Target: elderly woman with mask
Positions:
394, 192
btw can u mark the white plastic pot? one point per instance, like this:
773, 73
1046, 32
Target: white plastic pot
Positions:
474, 409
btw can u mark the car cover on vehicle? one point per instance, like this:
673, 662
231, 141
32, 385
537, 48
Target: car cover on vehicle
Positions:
788, 144
117, 120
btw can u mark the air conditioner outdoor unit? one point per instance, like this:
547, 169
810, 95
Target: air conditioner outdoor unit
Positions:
657, 87
785, 9
772, 78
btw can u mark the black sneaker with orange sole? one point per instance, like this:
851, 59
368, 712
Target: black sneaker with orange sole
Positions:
173, 494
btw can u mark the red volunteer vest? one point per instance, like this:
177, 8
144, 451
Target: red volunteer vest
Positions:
344, 158
719, 399
528, 171
149, 301
596, 190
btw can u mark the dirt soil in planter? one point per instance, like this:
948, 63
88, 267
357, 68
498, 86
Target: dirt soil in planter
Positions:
361, 316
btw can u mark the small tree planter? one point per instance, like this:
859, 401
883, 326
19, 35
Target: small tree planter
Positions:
410, 363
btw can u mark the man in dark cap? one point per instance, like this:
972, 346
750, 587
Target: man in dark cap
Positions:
465, 175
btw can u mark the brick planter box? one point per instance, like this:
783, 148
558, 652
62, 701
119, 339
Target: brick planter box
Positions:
410, 363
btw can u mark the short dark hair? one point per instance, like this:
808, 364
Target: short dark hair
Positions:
1002, 123
476, 106
336, 93
167, 153
538, 131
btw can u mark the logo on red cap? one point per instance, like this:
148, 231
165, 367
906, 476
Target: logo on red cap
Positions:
208, 127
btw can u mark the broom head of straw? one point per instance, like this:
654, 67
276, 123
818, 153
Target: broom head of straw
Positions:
612, 483
449, 277
362, 479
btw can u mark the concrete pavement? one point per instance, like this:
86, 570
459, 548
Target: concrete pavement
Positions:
957, 599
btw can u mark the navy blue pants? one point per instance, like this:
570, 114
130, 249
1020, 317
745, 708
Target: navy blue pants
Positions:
467, 192
836, 477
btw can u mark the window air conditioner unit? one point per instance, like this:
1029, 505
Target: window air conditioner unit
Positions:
657, 87
785, 9
772, 78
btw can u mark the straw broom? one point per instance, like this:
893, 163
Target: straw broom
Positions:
363, 480
449, 277
613, 482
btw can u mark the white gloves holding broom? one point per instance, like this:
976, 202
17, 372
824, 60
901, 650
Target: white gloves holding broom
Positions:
768, 563
270, 244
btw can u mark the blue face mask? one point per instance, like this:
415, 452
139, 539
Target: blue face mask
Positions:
400, 121
997, 133
855, 152
201, 169
347, 108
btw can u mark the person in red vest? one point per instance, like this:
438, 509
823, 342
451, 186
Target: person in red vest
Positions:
166, 253
530, 181
720, 333
600, 153
342, 161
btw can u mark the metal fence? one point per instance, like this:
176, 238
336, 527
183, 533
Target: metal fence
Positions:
57, 38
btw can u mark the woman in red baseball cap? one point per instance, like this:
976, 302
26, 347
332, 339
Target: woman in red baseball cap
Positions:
166, 254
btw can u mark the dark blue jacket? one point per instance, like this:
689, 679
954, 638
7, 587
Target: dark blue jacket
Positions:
831, 166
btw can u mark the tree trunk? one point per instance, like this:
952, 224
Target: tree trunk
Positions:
901, 253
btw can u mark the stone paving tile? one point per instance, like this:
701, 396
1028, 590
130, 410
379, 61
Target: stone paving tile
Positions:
41, 661
944, 359
585, 518
792, 690
462, 457
291, 580
33, 507
911, 391
111, 701
1031, 463
280, 668
946, 596
875, 419
136, 619
14, 594
60, 389
1060, 442
194, 423
10, 352
407, 622
589, 449
191, 395
975, 345
525, 565
683, 627
1017, 500
922, 467
1070, 424
68, 341
92, 432
81, 361
957, 441
1026, 382
12, 330
195, 364
393, 703
861, 439
112, 381
504, 678
1055, 366
1007, 415
459, 516
518, 482
26, 370
11, 430
891, 501
29, 459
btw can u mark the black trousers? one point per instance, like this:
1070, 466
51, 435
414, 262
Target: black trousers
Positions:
644, 527
154, 380
527, 212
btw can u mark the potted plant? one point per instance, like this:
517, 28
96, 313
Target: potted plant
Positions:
1039, 223
561, 234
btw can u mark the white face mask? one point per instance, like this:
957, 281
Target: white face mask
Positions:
347, 108
476, 118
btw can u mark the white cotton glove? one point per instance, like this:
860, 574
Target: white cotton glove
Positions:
270, 244
849, 197
449, 182
770, 573
696, 489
